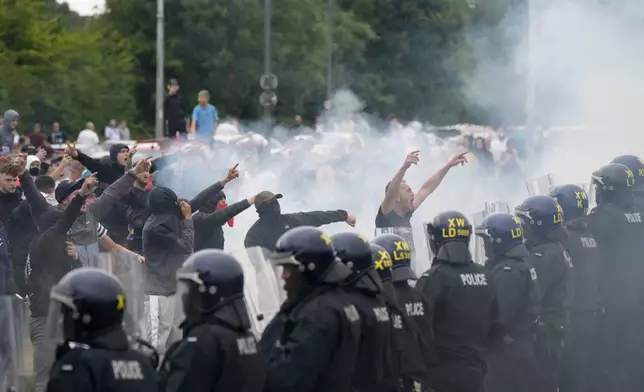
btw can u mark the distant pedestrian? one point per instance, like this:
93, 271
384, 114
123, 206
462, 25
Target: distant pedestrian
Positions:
204, 118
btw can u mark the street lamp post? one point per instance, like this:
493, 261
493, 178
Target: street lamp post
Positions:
159, 124
531, 77
329, 60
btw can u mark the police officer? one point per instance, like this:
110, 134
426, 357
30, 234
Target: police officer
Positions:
616, 225
542, 222
416, 309
580, 355
511, 365
462, 297
374, 369
313, 342
636, 165
218, 352
96, 353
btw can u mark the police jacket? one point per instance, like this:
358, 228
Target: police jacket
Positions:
106, 364
554, 275
312, 344
461, 295
419, 315
618, 230
517, 297
374, 369
215, 355
268, 229
586, 261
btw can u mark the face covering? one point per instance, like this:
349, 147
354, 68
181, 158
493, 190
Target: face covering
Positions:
34, 171
269, 208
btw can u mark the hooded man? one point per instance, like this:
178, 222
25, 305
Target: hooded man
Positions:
272, 223
210, 218
9, 125
168, 240
33, 165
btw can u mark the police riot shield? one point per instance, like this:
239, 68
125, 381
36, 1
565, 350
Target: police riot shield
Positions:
541, 185
262, 290
476, 243
16, 374
128, 268
407, 233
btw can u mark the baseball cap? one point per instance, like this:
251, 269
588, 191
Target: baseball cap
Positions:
173, 82
265, 196
66, 188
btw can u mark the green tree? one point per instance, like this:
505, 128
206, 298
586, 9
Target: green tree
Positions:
52, 71
218, 45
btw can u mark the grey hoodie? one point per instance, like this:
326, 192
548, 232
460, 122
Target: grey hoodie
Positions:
6, 132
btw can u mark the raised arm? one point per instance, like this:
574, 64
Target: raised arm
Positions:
212, 190
434, 181
393, 187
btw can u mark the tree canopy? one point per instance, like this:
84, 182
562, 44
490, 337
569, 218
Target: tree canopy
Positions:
404, 57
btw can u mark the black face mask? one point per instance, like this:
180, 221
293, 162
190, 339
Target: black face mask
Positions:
34, 171
269, 208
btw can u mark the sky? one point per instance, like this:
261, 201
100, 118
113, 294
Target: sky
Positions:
85, 7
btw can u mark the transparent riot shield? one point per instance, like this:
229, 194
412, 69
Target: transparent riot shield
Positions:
128, 269
540, 185
262, 292
476, 243
16, 368
408, 234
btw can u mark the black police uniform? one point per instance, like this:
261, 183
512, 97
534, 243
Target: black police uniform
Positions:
96, 355
617, 226
461, 294
580, 360
512, 362
419, 350
374, 369
637, 167
542, 219
312, 343
218, 353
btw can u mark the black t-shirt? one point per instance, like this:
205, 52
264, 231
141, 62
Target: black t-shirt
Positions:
391, 219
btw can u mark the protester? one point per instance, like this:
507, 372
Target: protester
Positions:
400, 201
124, 130
52, 255
57, 136
88, 137
272, 223
212, 216
111, 131
9, 126
174, 111
204, 118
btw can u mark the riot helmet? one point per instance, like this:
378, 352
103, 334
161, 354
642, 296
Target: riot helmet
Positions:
449, 235
501, 232
540, 215
381, 262
86, 303
613, 183
354, 251
211, 282
400, 254
573, 200
637, 167
311, 252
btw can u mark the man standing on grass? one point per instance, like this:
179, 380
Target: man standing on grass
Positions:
204, 118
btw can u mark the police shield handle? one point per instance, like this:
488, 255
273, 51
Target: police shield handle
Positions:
411, 159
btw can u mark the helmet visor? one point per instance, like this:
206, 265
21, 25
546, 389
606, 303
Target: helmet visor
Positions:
60, 318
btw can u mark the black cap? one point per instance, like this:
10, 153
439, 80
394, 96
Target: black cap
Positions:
66, 188
173, 82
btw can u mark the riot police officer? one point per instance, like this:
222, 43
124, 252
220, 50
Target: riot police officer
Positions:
636, 165
374, 369
86, 312
580, 355
218, 353
511, 365
460, 293
616, 225
542, 222
417, 311
312, 343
